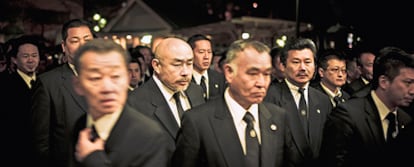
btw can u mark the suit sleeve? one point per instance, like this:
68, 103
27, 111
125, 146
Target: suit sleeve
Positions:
188, 144
337, 138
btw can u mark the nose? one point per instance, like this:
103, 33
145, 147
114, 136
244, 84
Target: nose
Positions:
186, 70
108, 84
262, 80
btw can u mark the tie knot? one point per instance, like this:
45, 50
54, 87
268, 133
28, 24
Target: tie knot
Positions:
301, 90
176, 96
203, 78
248, 118
94, 134
390, 117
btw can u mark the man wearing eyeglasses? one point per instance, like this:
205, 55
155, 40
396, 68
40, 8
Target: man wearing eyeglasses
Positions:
332, 74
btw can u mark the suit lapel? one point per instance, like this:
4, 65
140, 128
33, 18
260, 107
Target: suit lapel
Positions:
315, 120
228, 139
162, 110
269, 142
298, 132
67, 76
373, 121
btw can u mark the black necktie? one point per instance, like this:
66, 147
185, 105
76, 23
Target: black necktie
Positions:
94, 134
338, 99
392, 130
178, 104
303, 110
203, 85
252, 158
32, 83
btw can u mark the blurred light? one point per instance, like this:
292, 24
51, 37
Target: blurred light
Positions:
146, 39
245, 35
96, 16
129, 37
96, 28
281, 41
255, 5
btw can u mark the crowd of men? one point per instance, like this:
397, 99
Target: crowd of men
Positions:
167, 106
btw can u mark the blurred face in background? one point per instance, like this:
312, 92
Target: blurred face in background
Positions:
134, 73
203, 55
367, 68
27, 58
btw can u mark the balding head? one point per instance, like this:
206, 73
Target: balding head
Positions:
173, 63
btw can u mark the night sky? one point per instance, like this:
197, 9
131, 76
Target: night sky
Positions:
379, 23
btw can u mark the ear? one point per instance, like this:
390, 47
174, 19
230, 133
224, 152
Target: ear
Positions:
14, 60
156, 65
77, 86
383, 82
62, 44
228, 72
320, 72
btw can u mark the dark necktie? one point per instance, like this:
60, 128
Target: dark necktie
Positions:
94, 134
338, 99
392, 127
203, 85
252, 158
303, 111
178, 104
32, 83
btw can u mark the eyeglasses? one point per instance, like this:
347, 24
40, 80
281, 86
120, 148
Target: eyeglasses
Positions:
336, 70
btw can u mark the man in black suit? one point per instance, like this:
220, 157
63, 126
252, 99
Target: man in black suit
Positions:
307, 120
16, 104
213, 134
365, 61
56, 106
112, 133
332, 76
360, 131
173, 66
214, 82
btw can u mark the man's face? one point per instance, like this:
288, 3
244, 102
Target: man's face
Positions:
300, 66
400, 91
334, 75
248, 76
27, 58
175, 66
278, 69
367, 69
147, 53
77, 36
103, 80
134, 73
202, 55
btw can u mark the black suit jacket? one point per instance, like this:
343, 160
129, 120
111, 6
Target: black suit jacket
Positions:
149, 100
135, 141
354, 86
319, 108
353, 135
208, 137
15, 107
216, 84
56, 107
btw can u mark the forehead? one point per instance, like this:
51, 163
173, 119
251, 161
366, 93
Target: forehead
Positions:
202, 43
336, 62
79, 31
252, 57
27, 46
406, 73
108, 59
300, 54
